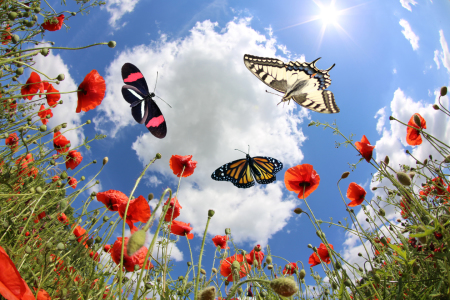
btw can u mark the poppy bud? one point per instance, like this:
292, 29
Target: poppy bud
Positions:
32, 191
268, 259
88, 122
314, 249
425, 161
347, 282
436, 107
227, 282
257, 248
94, 161
403, 178
386, 160
64, 175
391, 118
334, 285
136, 242
39, 189
384, 240
12, 15
211, 213
417, 120
447, 159
284, 286
105, 160
57, 128
150, 196
158, 156
298, 210
227, 231
381, 212
28, 250
345, 175
111, 44
302, 273
43, 128
148, 286
443, 91
44, 51
19, 71
105, 219
202, 271
60, 246
98, 239
61, 77
214, 270
310, 246
320, 234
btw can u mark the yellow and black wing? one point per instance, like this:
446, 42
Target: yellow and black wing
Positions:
264, 168
237, 172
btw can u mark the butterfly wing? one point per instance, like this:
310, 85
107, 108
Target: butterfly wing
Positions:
319, 101
138, 105
237, 172
271, 71
132, 76
264, 169
154, 120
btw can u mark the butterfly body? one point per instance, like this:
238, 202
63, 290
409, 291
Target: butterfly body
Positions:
243, 172
301, 82
143, 108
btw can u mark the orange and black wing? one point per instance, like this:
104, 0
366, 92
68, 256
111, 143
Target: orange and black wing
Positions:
237, 172
264, 168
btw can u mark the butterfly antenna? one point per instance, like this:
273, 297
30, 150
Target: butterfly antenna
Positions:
240, 151
273, 93
154, 90
163, 101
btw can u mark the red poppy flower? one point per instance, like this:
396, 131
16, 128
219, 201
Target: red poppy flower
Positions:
73, 159
293, 266
138, 211
129, 261
94, 256
221, 240
63, 218
225, 266
12, 285
356, 193
6, 35
13, 141
24, 161
33, 172
413, 137
92, 92
255, 254
406, 209
79, 232
53, 24
365, 148
302, 177
322, 251
52, 99
43, 113
73, 182
439, 185
60, 142
39, 217
112, 199
176, 211
43, 295
106, 248
178, 162
181, 228
33, 85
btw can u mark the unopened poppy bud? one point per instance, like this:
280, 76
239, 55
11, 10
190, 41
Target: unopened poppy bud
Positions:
82, 178
412, 174
98, 239
12, 15
403, 178
227, 282
57, 128
338, 265
443, 91
105, 219
314, 249
269, 267
436, 107
158, 156
94, 161
425, 161
347, 282
302, 273
111, 44
381, 212
211, 213
136, 242
334, 285
417, 120
284, 286
39, 189
384, 240
105, 160
60, 246
391, 118
359, 254
43, 128
227, 231
320, 234
111, 223
268, 259
345, 175
88, 122
44, 51
64, 175
202, 271
93, 194
310, 246
235, 265
61, 77
447, 159
32, 191
19, 71
189, 264
386, 160
298, 210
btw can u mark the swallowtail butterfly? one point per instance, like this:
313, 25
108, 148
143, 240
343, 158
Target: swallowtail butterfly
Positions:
243, 172
300, 81
143, 107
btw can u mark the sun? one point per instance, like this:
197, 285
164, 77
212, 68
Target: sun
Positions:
329, 14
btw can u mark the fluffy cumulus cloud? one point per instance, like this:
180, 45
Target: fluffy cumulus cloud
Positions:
117, 8
409, 34
407, 4
445, 54
218, 106
53, 65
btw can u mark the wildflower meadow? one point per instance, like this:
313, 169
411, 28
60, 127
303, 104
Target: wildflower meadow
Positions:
59, 239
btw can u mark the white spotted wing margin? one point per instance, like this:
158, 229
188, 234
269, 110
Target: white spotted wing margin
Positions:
299, 81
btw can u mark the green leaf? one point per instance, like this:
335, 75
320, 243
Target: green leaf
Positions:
422, 234
399, 250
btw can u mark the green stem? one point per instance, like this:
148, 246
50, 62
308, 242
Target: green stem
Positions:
197, 279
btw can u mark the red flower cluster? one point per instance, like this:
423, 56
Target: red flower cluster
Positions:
255, 254
413, 137
302, 178
129, 261
322, 252
225, 266
6, 35
182, 165
365, 148
290, 268
13, 141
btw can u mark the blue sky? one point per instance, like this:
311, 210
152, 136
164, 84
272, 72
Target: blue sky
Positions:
391, 58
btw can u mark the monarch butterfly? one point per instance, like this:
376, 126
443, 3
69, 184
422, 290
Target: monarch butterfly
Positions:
243, 172
143, 107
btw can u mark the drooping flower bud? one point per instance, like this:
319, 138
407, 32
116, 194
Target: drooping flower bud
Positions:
386, 160
284, 286
227, 231
345, 175
111, 44
150, 196
298, 210
105, 160
235, 265
269, 259
302, 274
158, 156
202, 271
136, 242
417, 120
436, 107
443, 91
381, 212
403, 178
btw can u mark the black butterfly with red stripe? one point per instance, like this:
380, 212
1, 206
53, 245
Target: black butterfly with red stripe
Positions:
143, 107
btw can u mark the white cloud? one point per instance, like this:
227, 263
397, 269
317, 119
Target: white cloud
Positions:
53, 65
407, 4
153, 181
436, 59
381, 114
409, 34
218, 106
445, 55
117, 8
394, 71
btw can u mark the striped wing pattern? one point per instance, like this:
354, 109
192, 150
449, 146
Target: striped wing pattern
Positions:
300, 81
